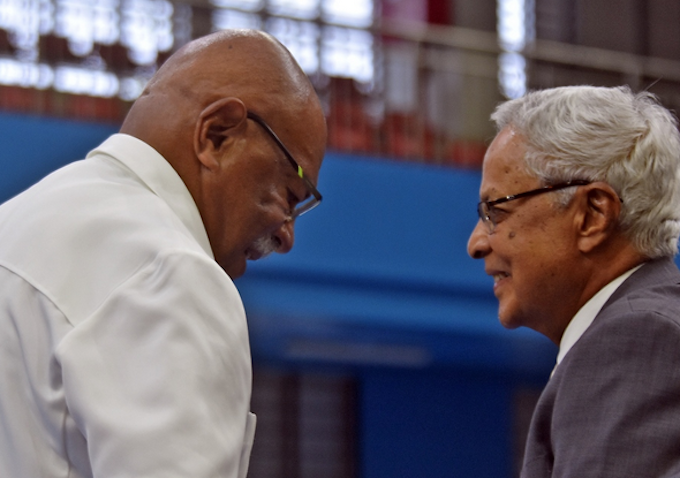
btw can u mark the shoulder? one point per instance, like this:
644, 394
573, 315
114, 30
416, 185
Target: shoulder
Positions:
633, 342
631, 335
655, 287
611, 407
646, 305
635, 339
94, 225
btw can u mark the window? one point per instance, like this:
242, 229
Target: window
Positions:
57, 43
330, 37
515, 30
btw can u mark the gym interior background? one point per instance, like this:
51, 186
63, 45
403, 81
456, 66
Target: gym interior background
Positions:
376, 348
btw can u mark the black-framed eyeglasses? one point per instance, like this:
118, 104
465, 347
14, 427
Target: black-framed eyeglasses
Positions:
488, 216
315, 197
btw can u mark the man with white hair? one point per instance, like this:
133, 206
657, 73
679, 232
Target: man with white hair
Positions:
579, 224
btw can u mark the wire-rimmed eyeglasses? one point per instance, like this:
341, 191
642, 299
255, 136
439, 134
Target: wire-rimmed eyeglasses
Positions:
486, 212
315, 197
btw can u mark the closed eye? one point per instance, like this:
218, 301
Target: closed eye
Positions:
497, 214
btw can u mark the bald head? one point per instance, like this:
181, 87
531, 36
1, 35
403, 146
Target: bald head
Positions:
197, 113
247, 64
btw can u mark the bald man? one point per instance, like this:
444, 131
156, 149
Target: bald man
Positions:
123, 341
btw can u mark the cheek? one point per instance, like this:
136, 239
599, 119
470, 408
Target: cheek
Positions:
530, 261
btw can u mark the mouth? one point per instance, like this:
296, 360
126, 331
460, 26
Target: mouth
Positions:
498, 277
260, 248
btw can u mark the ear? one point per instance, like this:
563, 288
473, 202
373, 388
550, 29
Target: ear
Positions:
215, 128
599, 215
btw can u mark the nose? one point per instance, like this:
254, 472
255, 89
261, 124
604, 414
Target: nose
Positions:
285, 236
478, 244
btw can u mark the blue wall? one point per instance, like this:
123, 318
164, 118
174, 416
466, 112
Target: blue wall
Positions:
31, 147
383, 261
435, 424
379, 285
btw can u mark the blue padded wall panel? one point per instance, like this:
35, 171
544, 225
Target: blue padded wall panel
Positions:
435, 425
33, 146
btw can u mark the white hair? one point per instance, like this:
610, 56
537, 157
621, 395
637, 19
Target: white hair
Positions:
625, 139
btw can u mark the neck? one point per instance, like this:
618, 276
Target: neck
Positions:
597, 269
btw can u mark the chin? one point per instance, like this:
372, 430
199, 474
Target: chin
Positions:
234, 269
509, 325
508, 321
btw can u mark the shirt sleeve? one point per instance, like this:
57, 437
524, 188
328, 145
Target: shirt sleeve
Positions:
158, 379
616, 406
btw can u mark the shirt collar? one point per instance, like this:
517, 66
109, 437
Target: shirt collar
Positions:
159, 176
586, 314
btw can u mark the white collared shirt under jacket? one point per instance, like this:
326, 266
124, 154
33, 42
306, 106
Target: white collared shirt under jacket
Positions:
123, 345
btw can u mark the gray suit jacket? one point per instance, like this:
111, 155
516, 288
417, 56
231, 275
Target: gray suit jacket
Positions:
612, 408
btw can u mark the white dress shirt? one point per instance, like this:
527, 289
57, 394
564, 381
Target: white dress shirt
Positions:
123, 345
586, 314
